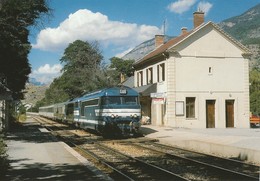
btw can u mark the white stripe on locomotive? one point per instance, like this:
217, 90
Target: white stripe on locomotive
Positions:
119, 112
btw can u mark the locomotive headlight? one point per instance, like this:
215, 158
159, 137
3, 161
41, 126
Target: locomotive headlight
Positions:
133, 115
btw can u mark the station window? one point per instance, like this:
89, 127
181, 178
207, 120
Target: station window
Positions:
190, 107
140, 78
161, 72
149, 75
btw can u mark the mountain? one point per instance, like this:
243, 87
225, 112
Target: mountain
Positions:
34, 93
35, 82
245, 28
144, 48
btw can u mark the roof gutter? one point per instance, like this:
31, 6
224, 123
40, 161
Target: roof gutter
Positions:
159, 57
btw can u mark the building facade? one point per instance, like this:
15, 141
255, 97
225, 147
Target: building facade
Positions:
199, 79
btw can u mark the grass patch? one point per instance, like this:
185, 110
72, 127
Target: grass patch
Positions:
22, 117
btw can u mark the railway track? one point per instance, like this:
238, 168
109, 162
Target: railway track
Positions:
129, 167
123, 167
141, 159
65, 130
188, 164
218, 162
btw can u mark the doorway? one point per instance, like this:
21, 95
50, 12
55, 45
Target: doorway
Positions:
210, 113
230, 113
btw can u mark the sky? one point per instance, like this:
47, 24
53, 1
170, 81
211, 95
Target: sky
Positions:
117, 25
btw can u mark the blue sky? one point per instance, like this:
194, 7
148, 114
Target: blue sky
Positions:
118, 26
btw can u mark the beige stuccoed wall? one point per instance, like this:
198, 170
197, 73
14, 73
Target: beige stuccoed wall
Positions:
188, 76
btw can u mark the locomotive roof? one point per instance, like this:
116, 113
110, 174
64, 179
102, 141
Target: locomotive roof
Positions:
113, 91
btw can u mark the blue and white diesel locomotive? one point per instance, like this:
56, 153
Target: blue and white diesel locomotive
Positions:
110, 111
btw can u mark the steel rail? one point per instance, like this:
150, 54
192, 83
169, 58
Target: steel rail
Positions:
143, 162
199, 153
199, 162
102, 161
219, 159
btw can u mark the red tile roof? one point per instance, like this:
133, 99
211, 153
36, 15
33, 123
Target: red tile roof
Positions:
163, 48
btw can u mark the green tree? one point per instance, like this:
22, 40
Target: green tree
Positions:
82, 72
255, 91
56, 92
82, 64
16, 16
121, 66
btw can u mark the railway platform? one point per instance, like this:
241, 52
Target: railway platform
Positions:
34, 154
241, 144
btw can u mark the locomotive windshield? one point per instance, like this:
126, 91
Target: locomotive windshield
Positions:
120, 100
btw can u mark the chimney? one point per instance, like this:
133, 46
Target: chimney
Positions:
159, 40
184, 30
198, 18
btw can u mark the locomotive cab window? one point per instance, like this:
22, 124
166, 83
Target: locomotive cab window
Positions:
129, 100
118, 100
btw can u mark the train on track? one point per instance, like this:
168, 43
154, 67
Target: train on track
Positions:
110, 111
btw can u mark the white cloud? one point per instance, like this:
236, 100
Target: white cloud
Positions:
181, 6
205, 7
46, 73
47, 69
88, 26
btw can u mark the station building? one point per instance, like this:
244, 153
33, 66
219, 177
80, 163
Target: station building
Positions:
199, 79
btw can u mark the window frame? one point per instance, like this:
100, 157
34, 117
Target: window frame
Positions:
140, 78
149, 75
190, 104
161, 72
87, 103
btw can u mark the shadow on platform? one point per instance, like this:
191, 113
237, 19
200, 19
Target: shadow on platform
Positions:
58, 172
28, 132
146, 131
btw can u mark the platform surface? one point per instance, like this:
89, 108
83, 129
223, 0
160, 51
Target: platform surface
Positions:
238, 143
35, 154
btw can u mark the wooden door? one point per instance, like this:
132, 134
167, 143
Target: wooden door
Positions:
210, 113
230, 113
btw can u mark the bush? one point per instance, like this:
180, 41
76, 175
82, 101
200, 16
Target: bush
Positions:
3, 158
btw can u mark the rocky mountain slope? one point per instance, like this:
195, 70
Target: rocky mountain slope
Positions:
245, 28
144, 48
34, 93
